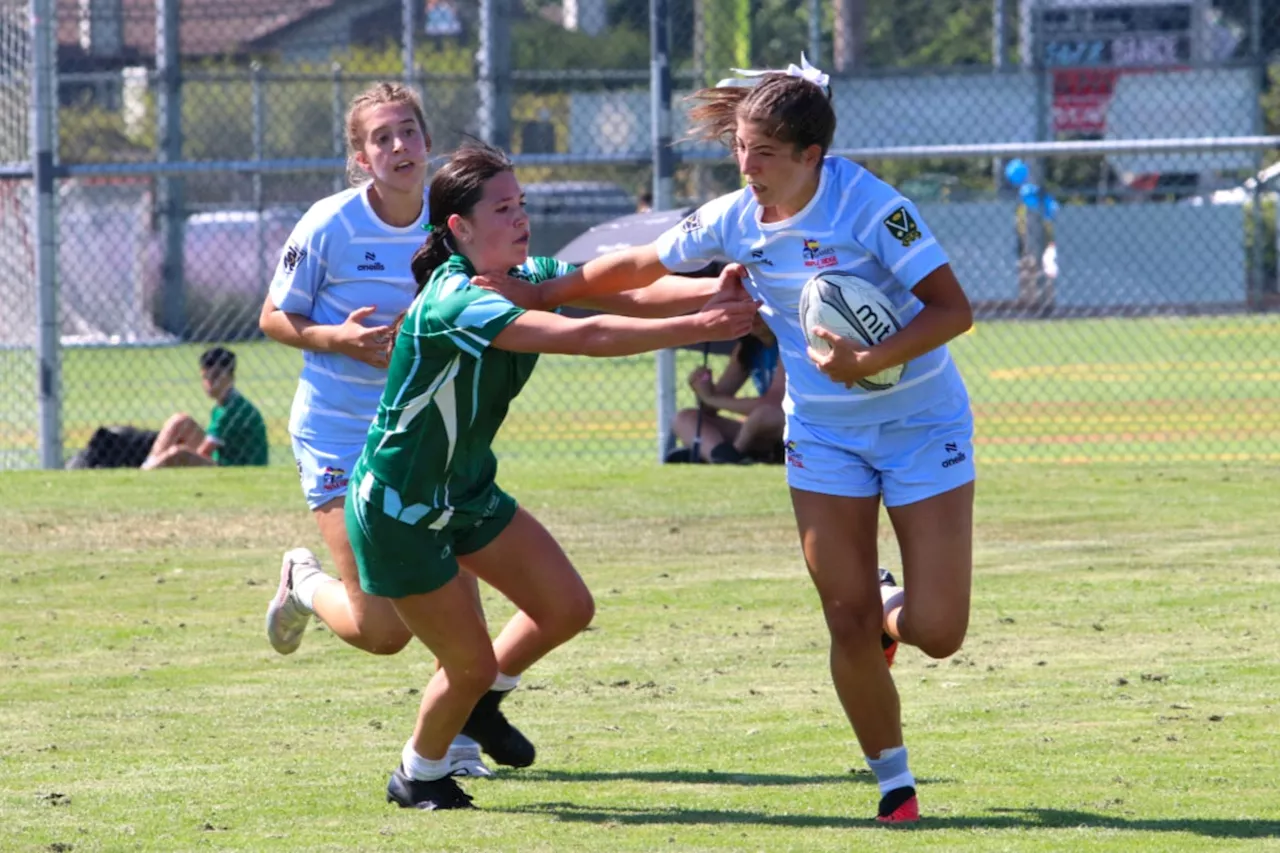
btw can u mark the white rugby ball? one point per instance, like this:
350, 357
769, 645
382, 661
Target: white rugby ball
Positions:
852, 308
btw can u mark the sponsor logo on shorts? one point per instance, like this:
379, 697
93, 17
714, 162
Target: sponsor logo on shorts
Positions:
333, 478
957, 455
794, 457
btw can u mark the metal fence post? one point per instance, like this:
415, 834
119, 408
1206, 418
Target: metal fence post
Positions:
815, 32
257, 98
1256, 287
663, 170
170, 196
339, 127
410, 22
44, 154
494, 65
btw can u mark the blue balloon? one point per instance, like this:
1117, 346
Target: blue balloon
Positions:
1016, 172
1030, 195
1050, 207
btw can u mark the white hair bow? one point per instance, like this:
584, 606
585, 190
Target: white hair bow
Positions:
804, 71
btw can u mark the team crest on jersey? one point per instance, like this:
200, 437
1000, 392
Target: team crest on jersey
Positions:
292, 257
691, 223
902, 227
333, 478
816, 256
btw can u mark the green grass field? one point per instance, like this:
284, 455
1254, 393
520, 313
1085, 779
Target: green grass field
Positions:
1118, 689
1157, 389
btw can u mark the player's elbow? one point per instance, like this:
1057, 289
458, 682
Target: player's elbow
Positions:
962, 317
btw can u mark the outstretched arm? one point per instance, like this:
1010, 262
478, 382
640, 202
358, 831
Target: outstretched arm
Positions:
670, 295
599, 278
724, 317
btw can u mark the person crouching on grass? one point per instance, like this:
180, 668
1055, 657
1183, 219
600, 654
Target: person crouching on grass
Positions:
424, 501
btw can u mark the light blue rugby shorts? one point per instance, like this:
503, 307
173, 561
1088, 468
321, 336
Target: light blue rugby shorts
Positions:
908, 460
324, 468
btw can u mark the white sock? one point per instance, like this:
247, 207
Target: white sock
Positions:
505, 683
422, 769
306, 580
891, 769
464, 742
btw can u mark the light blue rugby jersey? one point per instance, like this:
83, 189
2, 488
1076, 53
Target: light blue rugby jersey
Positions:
855, 223
340, 257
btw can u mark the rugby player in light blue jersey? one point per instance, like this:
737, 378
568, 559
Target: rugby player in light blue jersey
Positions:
848, 449
343, 278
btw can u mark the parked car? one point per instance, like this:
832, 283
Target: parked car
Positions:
229, 257
1266, 182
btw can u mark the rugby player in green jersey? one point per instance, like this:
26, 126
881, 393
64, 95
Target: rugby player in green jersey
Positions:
423, 497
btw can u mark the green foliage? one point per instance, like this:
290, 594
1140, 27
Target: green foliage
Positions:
1271, 106
91, 134
1269, 259
926, 33
539, 44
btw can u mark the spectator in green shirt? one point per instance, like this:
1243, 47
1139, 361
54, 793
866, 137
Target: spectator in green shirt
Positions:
237, 434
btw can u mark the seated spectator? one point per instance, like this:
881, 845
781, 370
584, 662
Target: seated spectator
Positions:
732, 428
237, 434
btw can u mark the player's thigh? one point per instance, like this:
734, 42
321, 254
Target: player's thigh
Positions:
370, 612
524, 562
838, 538
446, 622
936, 538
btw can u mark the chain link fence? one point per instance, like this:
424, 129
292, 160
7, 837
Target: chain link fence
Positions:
1125, 288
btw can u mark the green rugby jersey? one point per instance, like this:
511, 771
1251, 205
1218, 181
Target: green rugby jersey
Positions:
429, 449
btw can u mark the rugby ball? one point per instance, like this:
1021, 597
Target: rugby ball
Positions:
852, 308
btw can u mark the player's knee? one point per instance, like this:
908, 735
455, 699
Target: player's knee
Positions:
574, 609
473, 677
853, 625
388, 643
576, 613
940, 640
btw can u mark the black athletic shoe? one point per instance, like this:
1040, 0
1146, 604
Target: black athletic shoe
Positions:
889, 644
500, 740
899, 806
681, 456
428, 796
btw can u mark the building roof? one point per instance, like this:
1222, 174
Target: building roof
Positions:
206, 27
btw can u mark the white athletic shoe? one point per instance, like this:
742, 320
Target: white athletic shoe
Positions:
464, 759
287, 617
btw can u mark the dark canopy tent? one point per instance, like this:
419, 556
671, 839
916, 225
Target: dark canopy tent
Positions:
634, 229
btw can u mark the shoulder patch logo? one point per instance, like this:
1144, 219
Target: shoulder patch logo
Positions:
292, 257
692, 222
902, 227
